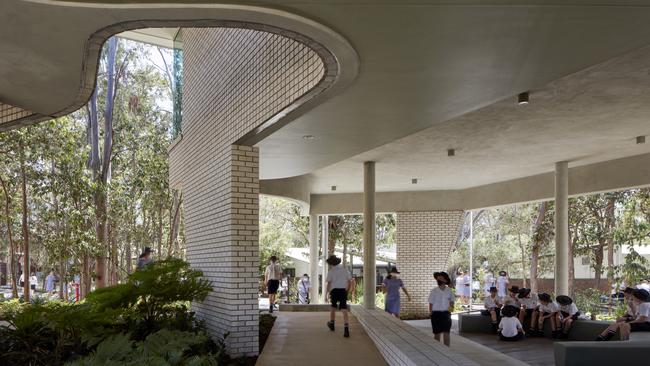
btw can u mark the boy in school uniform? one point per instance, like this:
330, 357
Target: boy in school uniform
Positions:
441, 303
567, 315
511, 299
630, 309
339, 282
546, 309
527, 304
641, 322
493, 306
510, 329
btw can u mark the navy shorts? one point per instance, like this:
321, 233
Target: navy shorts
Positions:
440, 321
640, 327
273, 286
339, 298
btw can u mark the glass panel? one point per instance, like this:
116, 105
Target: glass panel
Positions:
177, 87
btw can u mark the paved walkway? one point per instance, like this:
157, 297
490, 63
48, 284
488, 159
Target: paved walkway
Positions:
302, 338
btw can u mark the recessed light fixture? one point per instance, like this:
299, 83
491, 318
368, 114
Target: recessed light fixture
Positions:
640, 139
414, 181
451, 152
308, 137
523, 98
333, 188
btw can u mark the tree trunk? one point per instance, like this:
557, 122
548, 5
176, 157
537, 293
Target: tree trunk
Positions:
523, 260
610, 224
86, 280
572, 240
175, 220
598, 267
160, 230
537, 244
10, 240
100, 217
26, 267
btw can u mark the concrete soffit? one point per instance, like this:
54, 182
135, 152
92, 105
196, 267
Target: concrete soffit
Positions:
612, 175
340, 60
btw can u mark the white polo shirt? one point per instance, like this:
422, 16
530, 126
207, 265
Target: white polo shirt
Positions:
338, 277
492, 302
551, 307
509, 326
440, 299
528, 302
571, 309
509, 300
643, 309
273, 272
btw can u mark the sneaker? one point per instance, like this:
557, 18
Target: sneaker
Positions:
330, 325
346, 332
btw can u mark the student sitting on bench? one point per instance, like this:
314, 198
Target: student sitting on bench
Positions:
630, 310
510, 328
567, 315
641, 322
546, 309
493, 308
527, 304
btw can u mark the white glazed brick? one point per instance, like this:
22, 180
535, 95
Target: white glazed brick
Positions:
424, 241
234, 80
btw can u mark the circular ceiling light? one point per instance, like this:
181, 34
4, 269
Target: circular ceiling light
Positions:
640, 140
451, 152
308, 137
523, 98
333, 188
414, 181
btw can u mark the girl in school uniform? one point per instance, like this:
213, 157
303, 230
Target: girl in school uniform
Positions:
391, 285
441, 303
527, 304
546, 310
567, 315
641, 322
510, 329
502, 284
493, 306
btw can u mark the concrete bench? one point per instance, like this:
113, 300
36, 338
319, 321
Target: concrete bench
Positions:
599, 353
582, 330
640, 337
304, 307
402, 344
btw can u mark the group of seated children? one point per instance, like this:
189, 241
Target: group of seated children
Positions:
636, 318
508, 313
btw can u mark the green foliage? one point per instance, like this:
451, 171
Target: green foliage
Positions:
588, 301
138, 317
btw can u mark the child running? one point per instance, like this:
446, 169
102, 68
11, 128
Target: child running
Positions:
567, 315
546, 309
493, 308
339, 281
441, 304
510, 329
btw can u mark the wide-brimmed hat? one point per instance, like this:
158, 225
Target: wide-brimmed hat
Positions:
642, 295
628, 290
564, 300
514, 289
333, 260
523, 292
509, 311
444, 275
544, 297
146, 251
394, 270
494, 289
503, 273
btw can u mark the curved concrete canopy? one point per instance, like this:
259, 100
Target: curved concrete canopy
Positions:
423, 62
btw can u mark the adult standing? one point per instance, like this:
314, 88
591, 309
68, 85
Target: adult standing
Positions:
467, 288
272, 278
391, 285
460, 286
303, 289
49, 282
502, 284
489, 282
144, 259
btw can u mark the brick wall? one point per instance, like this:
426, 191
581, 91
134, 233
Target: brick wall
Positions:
424, 241
235, 79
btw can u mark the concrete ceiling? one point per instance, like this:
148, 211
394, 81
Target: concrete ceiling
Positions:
424, 64
587, 117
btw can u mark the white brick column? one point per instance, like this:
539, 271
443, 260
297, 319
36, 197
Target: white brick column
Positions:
424, 241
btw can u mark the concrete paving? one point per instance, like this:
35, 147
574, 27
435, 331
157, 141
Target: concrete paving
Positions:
302, 338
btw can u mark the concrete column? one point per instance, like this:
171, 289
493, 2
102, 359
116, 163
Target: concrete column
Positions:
369, 249
324, 236
313, 258
562, 228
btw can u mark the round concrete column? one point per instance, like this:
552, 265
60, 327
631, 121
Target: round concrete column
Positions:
369, 266
562, 228
313, 258
324, 250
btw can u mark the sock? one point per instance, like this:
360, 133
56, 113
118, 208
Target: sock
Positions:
346, 325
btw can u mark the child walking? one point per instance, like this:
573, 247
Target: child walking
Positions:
391, 285
441, 303
510, 329
339, 282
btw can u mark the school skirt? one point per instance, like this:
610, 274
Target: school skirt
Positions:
440, 321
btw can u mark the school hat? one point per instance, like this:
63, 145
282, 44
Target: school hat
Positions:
544, 297
493, 289
146, 251
523, 292
642, 295
503, 273
333, 260
628, 290
564, 300
394, 270
444, 275
509, 311
514, 289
